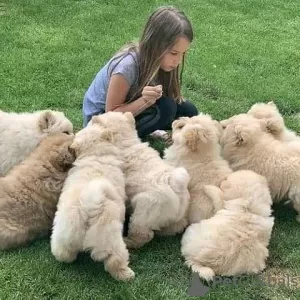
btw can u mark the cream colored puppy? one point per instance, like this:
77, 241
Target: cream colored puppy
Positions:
276, 126
157, 192
235, 240
30, 191
20, 133
196, 148
247, 145
91, 208
274, 121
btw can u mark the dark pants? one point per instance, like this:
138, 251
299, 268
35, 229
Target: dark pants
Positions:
162, 114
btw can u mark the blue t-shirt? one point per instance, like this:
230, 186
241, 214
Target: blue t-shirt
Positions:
95, 97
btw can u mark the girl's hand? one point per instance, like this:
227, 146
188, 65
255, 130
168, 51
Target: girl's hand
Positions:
152, 93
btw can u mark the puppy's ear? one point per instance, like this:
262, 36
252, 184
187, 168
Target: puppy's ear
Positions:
242, 135
65, 158
180, 123
107, 135
130, 118
46, 120
194, 136
224, 123
271, 103
97, 120
273, 125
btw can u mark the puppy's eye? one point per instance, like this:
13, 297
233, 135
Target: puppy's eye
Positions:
66, 132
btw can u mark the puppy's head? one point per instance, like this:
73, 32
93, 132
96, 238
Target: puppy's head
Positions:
241, 131
249, 190
52, 122
94, 140
274, 122
226, 122
121, 124
56, 148
264, 110
196, 133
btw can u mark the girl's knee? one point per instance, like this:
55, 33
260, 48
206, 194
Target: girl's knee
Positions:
193, 111
187, 109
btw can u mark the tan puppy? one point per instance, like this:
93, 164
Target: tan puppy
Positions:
157, 192
91, 208
274, 122
196, 148
21, 133
29, 193
235, 240
276, 126
247, 145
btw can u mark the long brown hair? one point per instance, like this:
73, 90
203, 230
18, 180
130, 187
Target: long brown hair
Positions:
163, 28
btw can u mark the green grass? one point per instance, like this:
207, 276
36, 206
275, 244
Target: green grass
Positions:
244, 52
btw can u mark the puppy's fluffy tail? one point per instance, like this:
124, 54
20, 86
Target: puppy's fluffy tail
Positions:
204, 272
94, 199
179, 179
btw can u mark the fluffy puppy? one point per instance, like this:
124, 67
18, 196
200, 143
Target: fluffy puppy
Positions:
196, 148
91, 208
29, 193
21, 133
235, 240
247, 145
157, 192
276, 124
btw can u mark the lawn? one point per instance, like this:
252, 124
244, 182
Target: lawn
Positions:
244, 52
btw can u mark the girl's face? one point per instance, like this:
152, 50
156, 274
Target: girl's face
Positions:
173, 56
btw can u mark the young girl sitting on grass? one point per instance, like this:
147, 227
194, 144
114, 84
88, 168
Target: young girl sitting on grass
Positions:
144, 78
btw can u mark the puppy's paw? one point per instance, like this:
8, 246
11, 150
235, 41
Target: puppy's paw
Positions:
124, 274
177, 228
135, 241
65, 256
131, 244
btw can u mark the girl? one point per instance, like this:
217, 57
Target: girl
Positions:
144, 78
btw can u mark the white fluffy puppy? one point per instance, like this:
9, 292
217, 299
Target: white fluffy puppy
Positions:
20, 133
91, 208
247, 145
196, 148
157, 192
276, 126
235, 240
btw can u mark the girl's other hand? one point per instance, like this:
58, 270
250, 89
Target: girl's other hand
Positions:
152, 93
